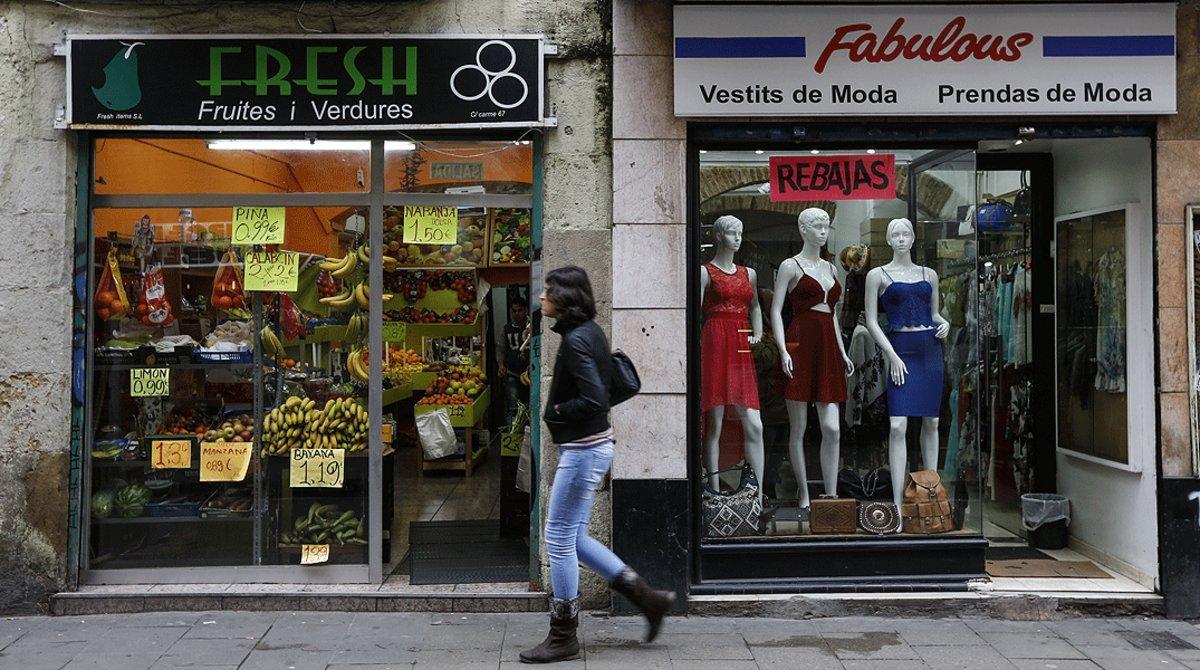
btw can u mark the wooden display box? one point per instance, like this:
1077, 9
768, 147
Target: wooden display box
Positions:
461, 416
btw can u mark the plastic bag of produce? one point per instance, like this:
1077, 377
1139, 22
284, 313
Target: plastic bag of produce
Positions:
437, 435
525, 464
227, 284
291, 318
154, 308
111, 301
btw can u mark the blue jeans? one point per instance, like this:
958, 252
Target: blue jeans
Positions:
579, 472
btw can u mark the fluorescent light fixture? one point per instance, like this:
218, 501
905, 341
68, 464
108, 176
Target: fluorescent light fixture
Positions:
704, 151
758, 151
870, 151
304, 145
815, 152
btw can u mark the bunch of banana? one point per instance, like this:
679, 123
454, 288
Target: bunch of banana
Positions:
347, 423
271, 343
285, 426
340, 267
356, 327
362, 295
354, 363
342, 301
326, 524
364, 257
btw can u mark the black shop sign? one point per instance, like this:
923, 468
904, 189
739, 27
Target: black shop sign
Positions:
304, 83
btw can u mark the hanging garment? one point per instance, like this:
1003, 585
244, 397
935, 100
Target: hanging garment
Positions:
818, 371
1022, 305
1110, 325
867, 383
909, 305
726, 367
987, 306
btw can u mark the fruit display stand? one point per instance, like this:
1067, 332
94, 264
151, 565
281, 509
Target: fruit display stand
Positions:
468, 417
509, 240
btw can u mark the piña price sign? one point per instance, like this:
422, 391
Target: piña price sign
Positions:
259, 225
317, 468
430, 225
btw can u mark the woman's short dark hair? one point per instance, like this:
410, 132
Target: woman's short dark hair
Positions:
570, 290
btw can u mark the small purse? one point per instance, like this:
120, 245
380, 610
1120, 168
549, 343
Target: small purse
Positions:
879, 518
926, 505
734, 514
833, 516
993, 215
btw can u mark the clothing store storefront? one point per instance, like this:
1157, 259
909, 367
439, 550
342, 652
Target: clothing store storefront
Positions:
922, 287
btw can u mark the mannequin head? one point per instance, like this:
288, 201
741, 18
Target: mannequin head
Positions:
727, 232
814, 226
900, 235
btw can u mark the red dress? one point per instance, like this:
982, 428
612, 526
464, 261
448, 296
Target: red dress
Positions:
726, 368
818, 371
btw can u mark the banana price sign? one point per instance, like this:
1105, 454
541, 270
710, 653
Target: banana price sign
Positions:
149, 382
259, 225
312, 554
272, 271
224, 461
171, 454
317, 468
430, 225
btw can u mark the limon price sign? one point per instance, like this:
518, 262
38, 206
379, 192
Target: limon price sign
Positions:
259, 225
311, 554
430, 225
224, 461
272, 271
149, 382
171, 454
317, 468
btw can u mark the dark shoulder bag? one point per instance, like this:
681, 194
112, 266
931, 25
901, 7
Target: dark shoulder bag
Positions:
625, 382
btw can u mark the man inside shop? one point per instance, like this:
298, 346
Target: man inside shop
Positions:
515, 361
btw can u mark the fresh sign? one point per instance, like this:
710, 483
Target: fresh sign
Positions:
259, 225
952, 59
430, 225
836, 177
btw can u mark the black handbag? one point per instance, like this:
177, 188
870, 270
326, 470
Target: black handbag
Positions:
1023, 201
734, 514
625, 382
879, 518
875, 485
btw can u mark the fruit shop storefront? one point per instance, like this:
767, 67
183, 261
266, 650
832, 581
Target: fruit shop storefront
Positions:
302, 275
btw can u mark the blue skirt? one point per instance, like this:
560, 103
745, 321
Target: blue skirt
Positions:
921, 393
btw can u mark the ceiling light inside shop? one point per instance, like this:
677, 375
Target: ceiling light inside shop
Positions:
870, 151
758, 151
704, 151
304, 145
815, 152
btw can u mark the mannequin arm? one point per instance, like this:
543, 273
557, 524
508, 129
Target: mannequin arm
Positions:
837, 330
943, 326
782, 278
756, 320
704, 280
896, 366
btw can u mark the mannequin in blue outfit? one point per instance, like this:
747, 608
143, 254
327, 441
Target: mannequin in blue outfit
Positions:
909, 295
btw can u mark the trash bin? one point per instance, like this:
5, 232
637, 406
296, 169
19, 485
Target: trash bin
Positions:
1046, 517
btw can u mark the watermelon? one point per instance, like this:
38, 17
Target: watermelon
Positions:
102, 504
131, 500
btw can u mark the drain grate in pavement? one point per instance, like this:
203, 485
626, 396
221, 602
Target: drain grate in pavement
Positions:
1155, 641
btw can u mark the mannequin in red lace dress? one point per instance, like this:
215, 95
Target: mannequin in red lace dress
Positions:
811, 352
730, 302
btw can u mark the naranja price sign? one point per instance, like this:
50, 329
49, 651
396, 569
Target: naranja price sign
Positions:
835, 177
430, 225
259, 225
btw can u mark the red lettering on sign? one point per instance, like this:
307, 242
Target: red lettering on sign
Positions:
860, 43
847, 177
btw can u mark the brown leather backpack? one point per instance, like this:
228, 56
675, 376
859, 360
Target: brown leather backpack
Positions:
926, 505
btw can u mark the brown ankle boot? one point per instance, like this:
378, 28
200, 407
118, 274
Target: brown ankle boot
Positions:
651, 602
561, 644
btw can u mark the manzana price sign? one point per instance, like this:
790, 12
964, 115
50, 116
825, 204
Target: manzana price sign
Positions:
304, 83
951, 59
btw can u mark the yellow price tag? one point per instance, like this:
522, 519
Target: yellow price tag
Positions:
170, 454
395, 331
149, 382
225, 461
259, 225
386, 433
311, 554
430, 225
272, 271
317, 468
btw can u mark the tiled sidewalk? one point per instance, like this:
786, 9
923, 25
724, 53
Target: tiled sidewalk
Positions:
383, 641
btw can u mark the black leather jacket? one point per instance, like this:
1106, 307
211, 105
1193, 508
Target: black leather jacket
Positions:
578, 402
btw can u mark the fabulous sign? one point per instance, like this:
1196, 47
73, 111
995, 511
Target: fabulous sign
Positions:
304, 83
747, 60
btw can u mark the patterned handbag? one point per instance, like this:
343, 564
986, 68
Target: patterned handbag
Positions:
879, 518
734, 514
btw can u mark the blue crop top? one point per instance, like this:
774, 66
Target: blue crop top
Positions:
907, 304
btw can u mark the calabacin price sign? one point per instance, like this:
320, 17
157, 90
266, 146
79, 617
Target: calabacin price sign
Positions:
272, 271
259, 225
430, 225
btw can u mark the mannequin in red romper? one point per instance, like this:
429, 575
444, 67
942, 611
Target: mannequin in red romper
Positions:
729, 301
811, 352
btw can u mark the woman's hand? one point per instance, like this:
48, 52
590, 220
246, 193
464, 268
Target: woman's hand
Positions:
897, 368
849, 365
785, 362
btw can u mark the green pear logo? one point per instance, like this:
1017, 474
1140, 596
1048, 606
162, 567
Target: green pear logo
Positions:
121, 89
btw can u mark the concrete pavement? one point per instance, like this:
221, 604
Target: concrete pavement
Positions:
388, 641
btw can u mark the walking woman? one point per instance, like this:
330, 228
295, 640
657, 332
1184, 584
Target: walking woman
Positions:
577, 415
